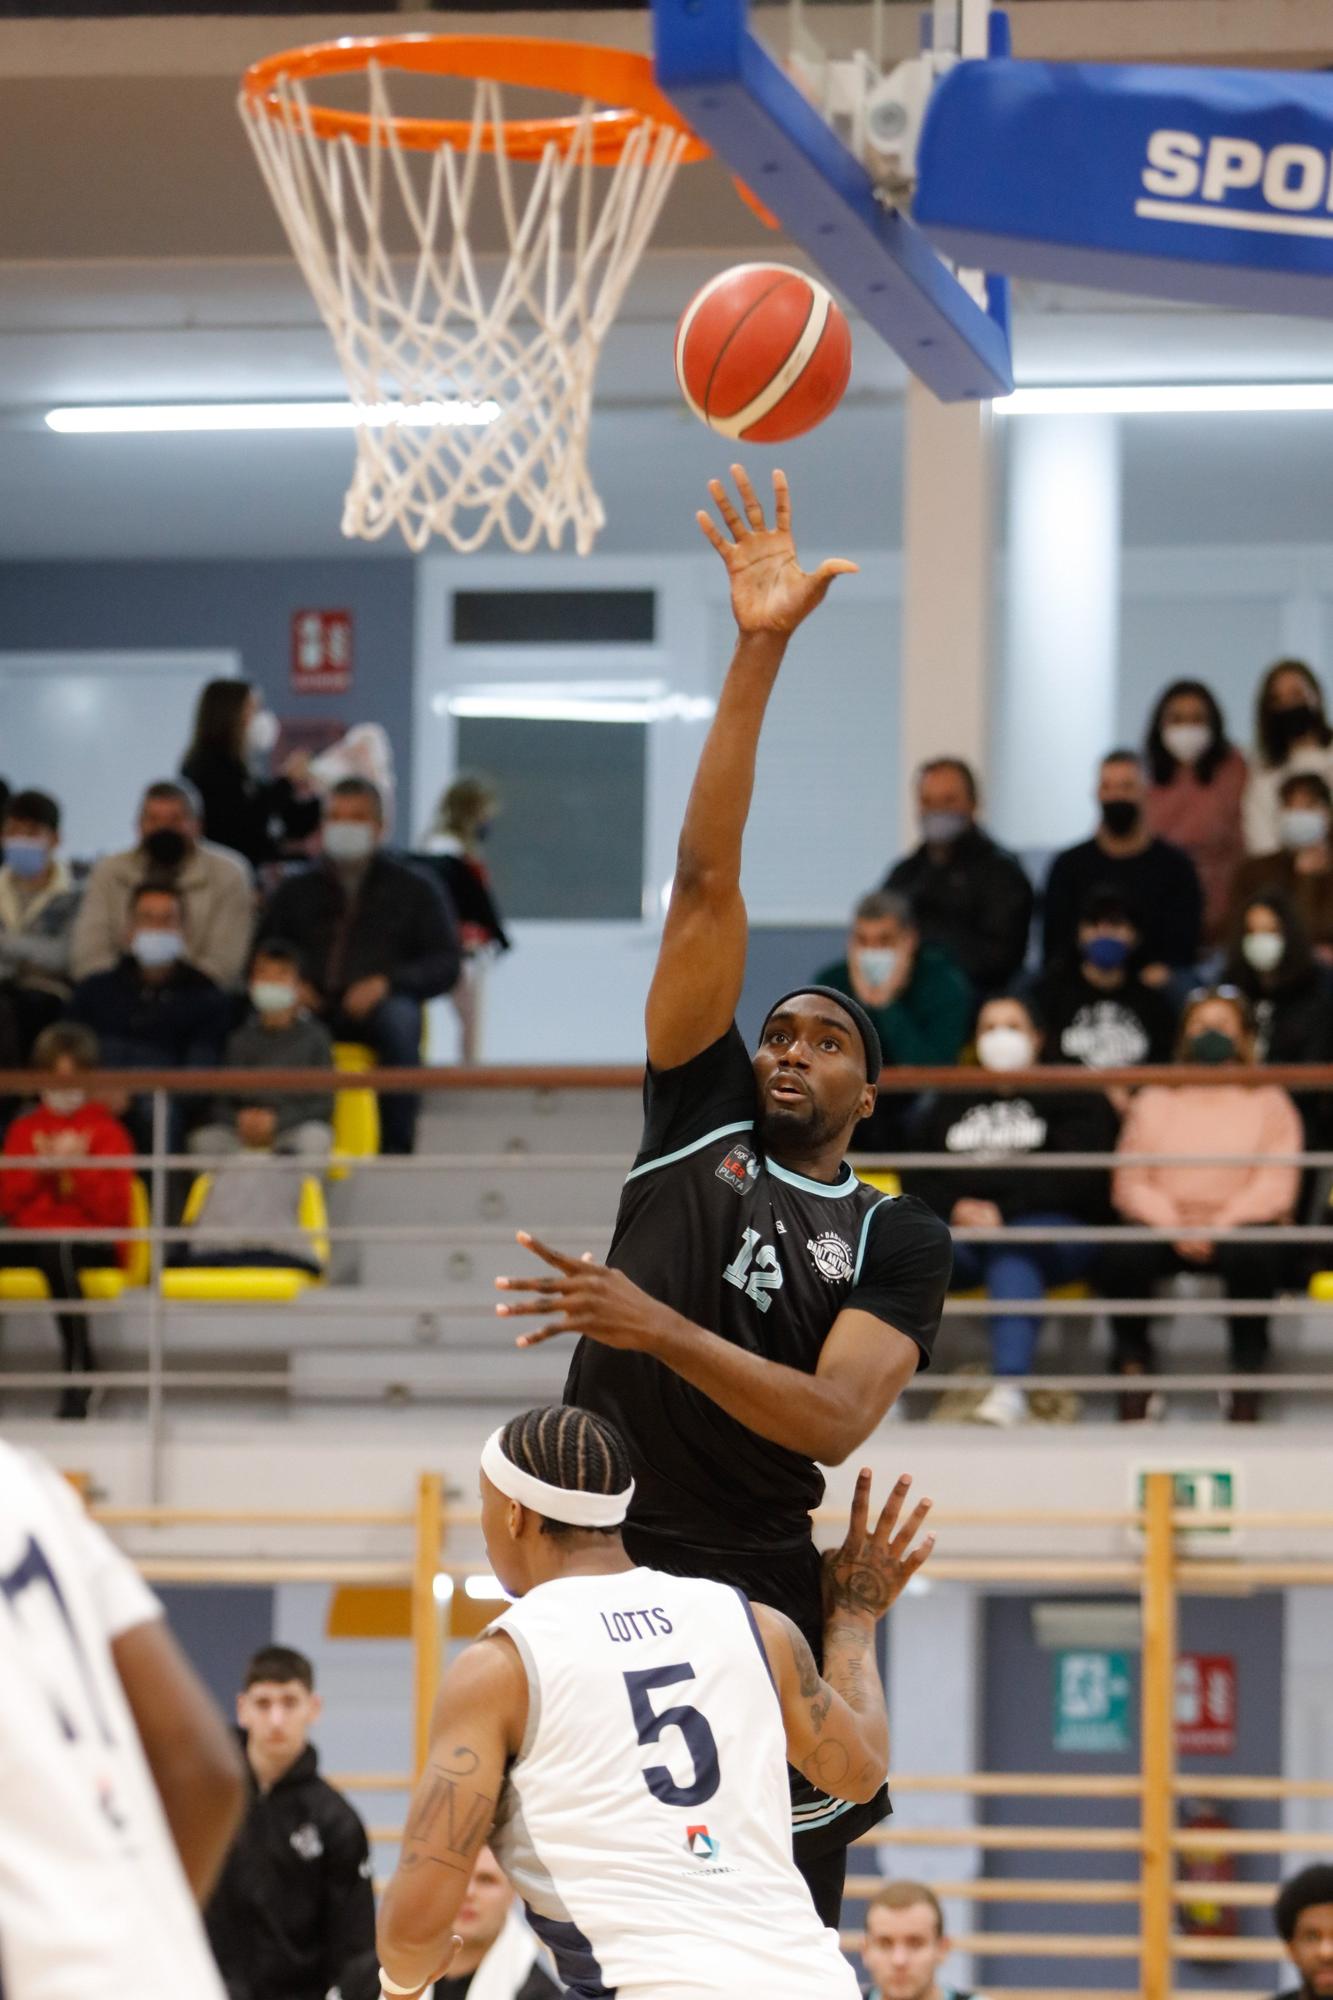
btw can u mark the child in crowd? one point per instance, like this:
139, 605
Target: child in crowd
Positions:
279, 1034
54, 1196
256, 1192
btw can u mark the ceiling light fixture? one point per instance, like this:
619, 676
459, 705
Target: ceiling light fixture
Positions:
1167, 399
120, 419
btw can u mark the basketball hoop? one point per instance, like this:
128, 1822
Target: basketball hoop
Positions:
476, 388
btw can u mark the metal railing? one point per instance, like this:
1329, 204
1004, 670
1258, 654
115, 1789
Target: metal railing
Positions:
1148, 1887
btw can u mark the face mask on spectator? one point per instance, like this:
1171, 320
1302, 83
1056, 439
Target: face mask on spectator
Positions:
64, 1103
938, 829
1212, 1046
1107, 954
1264, 950
1005, 1048
877, 964
348, 840
261, 732
1187, 741
1303, 826
153, 948
166, 848
272, 996
1120, 817
1291, 724
25, 857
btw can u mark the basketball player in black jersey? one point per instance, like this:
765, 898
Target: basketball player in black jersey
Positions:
760, 1308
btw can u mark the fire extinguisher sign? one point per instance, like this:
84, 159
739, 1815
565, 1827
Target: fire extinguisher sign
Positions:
1205, 1704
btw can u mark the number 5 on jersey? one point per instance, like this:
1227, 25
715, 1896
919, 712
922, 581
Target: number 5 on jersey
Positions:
755, 1270
699, 1738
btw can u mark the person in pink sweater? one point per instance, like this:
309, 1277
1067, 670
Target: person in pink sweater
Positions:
1196, 783
1218, 1118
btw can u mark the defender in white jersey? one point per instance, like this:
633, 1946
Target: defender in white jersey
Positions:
120, 1787
622, 1736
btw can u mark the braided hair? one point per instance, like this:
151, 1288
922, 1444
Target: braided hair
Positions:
570, 1448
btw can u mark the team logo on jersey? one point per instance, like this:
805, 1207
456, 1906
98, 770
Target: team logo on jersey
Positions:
700, 1843
740, 1169
307, 1842
833, 1257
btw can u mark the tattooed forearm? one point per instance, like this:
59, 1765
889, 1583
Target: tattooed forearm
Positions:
450, 1817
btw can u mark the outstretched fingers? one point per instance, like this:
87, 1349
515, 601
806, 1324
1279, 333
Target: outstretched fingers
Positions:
722, 500
860, 1509
889, 1512
781, 503
910, 1529
556, 1258
754, 512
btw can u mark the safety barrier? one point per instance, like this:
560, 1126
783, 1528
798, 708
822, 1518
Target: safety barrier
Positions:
1156, 1569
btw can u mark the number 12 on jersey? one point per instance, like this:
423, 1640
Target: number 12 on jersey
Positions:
755, 1270
699, 1738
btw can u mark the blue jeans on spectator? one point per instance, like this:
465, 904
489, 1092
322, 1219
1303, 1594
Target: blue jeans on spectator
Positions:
1019, 1271
394, 1032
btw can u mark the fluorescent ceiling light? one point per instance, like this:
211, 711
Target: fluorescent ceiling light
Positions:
1169, 399
442, 1588
485, 1589
500, 705
144, 418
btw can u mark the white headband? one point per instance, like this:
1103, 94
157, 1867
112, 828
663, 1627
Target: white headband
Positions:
557, 1503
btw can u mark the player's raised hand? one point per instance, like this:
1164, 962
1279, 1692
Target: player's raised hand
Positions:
770, 592
872, 1568
583, 1297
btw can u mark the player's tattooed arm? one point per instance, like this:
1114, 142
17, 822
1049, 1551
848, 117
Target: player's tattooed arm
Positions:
477, 1726
828, 1740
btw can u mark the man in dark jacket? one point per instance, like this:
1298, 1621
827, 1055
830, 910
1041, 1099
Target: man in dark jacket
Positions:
1303, 1914
293, 1915
376, 939
969, 895
1158, 881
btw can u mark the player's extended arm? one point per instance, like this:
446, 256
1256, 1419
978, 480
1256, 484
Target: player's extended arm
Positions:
702, 959
837, 1725
863, 1365
191, 1753
477, 1727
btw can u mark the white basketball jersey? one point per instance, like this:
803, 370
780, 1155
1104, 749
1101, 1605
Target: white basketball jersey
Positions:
646, 1821
94, 1904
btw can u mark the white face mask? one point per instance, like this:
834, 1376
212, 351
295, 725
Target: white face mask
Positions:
877, 963
1006, 1048
1187, 741
261, 732
64, 1102
348, 840
1264, 950
1303, 826
154, 948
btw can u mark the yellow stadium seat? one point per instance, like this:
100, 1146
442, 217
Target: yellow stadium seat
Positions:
1321, 1286
356, 1113
252, 1284
886, 1182
25, 1285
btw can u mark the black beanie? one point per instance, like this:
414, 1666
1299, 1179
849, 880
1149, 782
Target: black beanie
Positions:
1311, 1886
865, 1027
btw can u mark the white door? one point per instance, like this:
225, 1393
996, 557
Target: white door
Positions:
93, 729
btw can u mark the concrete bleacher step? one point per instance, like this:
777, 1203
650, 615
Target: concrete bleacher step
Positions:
468, 1270
538, 1121
521, 1196
507, 1375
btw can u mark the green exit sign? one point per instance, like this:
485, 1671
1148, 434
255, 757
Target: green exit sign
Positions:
1207, 1489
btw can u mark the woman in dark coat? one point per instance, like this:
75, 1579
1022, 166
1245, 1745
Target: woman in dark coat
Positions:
254, 816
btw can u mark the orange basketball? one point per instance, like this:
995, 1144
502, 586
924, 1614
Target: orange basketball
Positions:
763, 353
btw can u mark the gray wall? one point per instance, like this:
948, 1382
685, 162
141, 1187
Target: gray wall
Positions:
245, 606
1017, 1736
220, 1626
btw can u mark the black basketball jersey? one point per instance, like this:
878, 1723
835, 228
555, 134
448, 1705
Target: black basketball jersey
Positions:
766, 1258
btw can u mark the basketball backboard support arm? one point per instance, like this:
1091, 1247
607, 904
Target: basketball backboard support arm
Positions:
738, 99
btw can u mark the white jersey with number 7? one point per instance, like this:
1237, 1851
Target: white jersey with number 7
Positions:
646, 1820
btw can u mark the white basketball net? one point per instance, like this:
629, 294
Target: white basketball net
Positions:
477, 388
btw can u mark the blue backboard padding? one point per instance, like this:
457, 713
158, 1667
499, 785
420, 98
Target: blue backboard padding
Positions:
1208, 185
738, 100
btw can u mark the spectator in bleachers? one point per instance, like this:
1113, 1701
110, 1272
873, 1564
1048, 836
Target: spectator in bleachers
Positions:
1158, 881
246, 1194
1270, 960
906, 1945
38, 905
1196, 780
463, 820
1303, 1916
1258, 1122
280, 1033
1302, 868
994, 1127
1292, 734
55, 1196
154, 1008
253, 816
1095, 1004
970, 896
919, 1000
376, 939
214, 887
